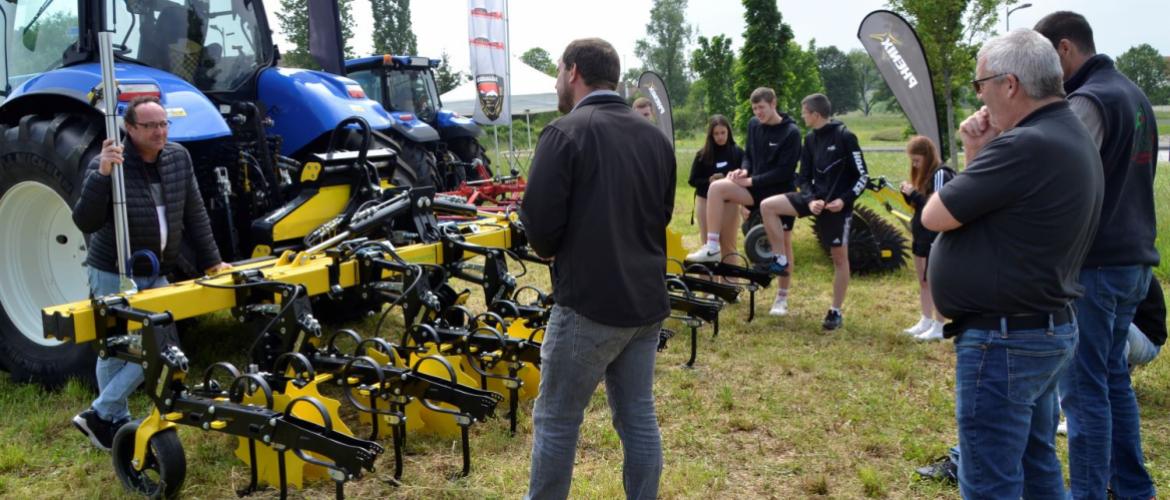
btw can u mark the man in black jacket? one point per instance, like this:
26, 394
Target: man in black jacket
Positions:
600, 193
832, 175
1104, 437
162, 205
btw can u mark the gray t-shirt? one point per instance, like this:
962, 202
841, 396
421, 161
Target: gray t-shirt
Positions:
1029, 205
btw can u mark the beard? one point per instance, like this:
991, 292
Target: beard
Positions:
564, 101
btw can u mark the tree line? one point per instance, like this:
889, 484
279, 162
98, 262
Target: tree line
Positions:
705, 76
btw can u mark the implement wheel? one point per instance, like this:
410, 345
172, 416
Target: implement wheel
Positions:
42, 253
165, 469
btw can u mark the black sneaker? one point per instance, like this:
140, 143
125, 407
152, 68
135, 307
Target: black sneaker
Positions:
99, 431
833, 320
943, 469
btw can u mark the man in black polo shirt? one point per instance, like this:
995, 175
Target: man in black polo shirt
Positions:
1015, 227
1104, 437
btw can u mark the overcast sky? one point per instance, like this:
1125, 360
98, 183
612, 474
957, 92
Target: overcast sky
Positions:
552, 24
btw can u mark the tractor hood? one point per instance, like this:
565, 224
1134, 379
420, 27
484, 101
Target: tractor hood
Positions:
193, 117
305, 105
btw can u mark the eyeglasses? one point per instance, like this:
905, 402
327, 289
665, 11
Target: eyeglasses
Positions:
153, 125
978, 83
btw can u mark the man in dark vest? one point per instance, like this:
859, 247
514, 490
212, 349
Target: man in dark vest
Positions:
1104, 439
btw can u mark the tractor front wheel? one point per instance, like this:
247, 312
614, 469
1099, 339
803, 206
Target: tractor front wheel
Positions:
42, 257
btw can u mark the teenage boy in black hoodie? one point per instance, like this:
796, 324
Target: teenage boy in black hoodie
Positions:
832, 175
769, 168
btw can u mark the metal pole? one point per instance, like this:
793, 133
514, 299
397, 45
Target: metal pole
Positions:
110, 101
508, 88
528, 118
1007, 19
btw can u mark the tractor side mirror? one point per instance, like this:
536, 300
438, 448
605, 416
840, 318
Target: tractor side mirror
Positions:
28, 37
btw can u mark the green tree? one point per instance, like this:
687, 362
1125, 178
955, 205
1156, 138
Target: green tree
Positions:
664, 49
801, 77
447, 78
868, 79
766, 41
1149, 70
392, 29
840, 79
884, 97
294, 24
540, 60
951, 32
714, 62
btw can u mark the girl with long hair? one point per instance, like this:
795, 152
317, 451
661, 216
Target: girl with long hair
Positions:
927, 176
718, 156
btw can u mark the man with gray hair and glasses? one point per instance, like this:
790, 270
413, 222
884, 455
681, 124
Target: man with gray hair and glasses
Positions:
1015, 228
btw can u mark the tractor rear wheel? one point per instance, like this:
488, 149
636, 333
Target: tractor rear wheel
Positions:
42, 253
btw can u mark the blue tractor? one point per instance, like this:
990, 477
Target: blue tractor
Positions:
280, 153
441, 139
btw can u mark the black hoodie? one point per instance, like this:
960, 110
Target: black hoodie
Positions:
770, 155
831, 165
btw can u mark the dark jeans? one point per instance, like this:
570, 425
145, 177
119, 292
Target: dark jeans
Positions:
1007, 411
577, 353
1104, 438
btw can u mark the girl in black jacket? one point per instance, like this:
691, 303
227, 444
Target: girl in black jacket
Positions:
719, 156
927, 176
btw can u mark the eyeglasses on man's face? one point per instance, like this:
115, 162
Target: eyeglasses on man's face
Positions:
153, 125
977, 84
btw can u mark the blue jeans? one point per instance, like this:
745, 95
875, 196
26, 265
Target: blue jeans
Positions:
1104, 439
1007, 411
116, 379
577, 353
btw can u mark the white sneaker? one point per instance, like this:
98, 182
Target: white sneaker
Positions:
935, 332
922, 325
704, 254
1062, 427
779, 307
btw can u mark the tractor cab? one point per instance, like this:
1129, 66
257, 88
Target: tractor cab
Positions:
405, 86
217, 45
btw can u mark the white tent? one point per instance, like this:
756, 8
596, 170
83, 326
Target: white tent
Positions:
532, 92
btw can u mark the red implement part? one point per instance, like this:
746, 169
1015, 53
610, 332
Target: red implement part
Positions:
496, 195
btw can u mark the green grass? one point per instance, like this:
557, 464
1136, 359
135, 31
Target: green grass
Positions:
774, 408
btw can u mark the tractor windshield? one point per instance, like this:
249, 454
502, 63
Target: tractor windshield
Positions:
214, 44
37, 32
413, 91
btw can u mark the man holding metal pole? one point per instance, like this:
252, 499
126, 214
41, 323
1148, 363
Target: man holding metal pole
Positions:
158, 201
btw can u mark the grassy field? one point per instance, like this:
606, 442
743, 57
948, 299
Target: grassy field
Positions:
775, 408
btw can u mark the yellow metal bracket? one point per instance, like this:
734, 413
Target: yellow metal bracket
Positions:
151, 425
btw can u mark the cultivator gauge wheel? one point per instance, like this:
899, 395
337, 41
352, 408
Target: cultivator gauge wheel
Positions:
165, 469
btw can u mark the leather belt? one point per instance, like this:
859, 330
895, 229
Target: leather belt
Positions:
993, 321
